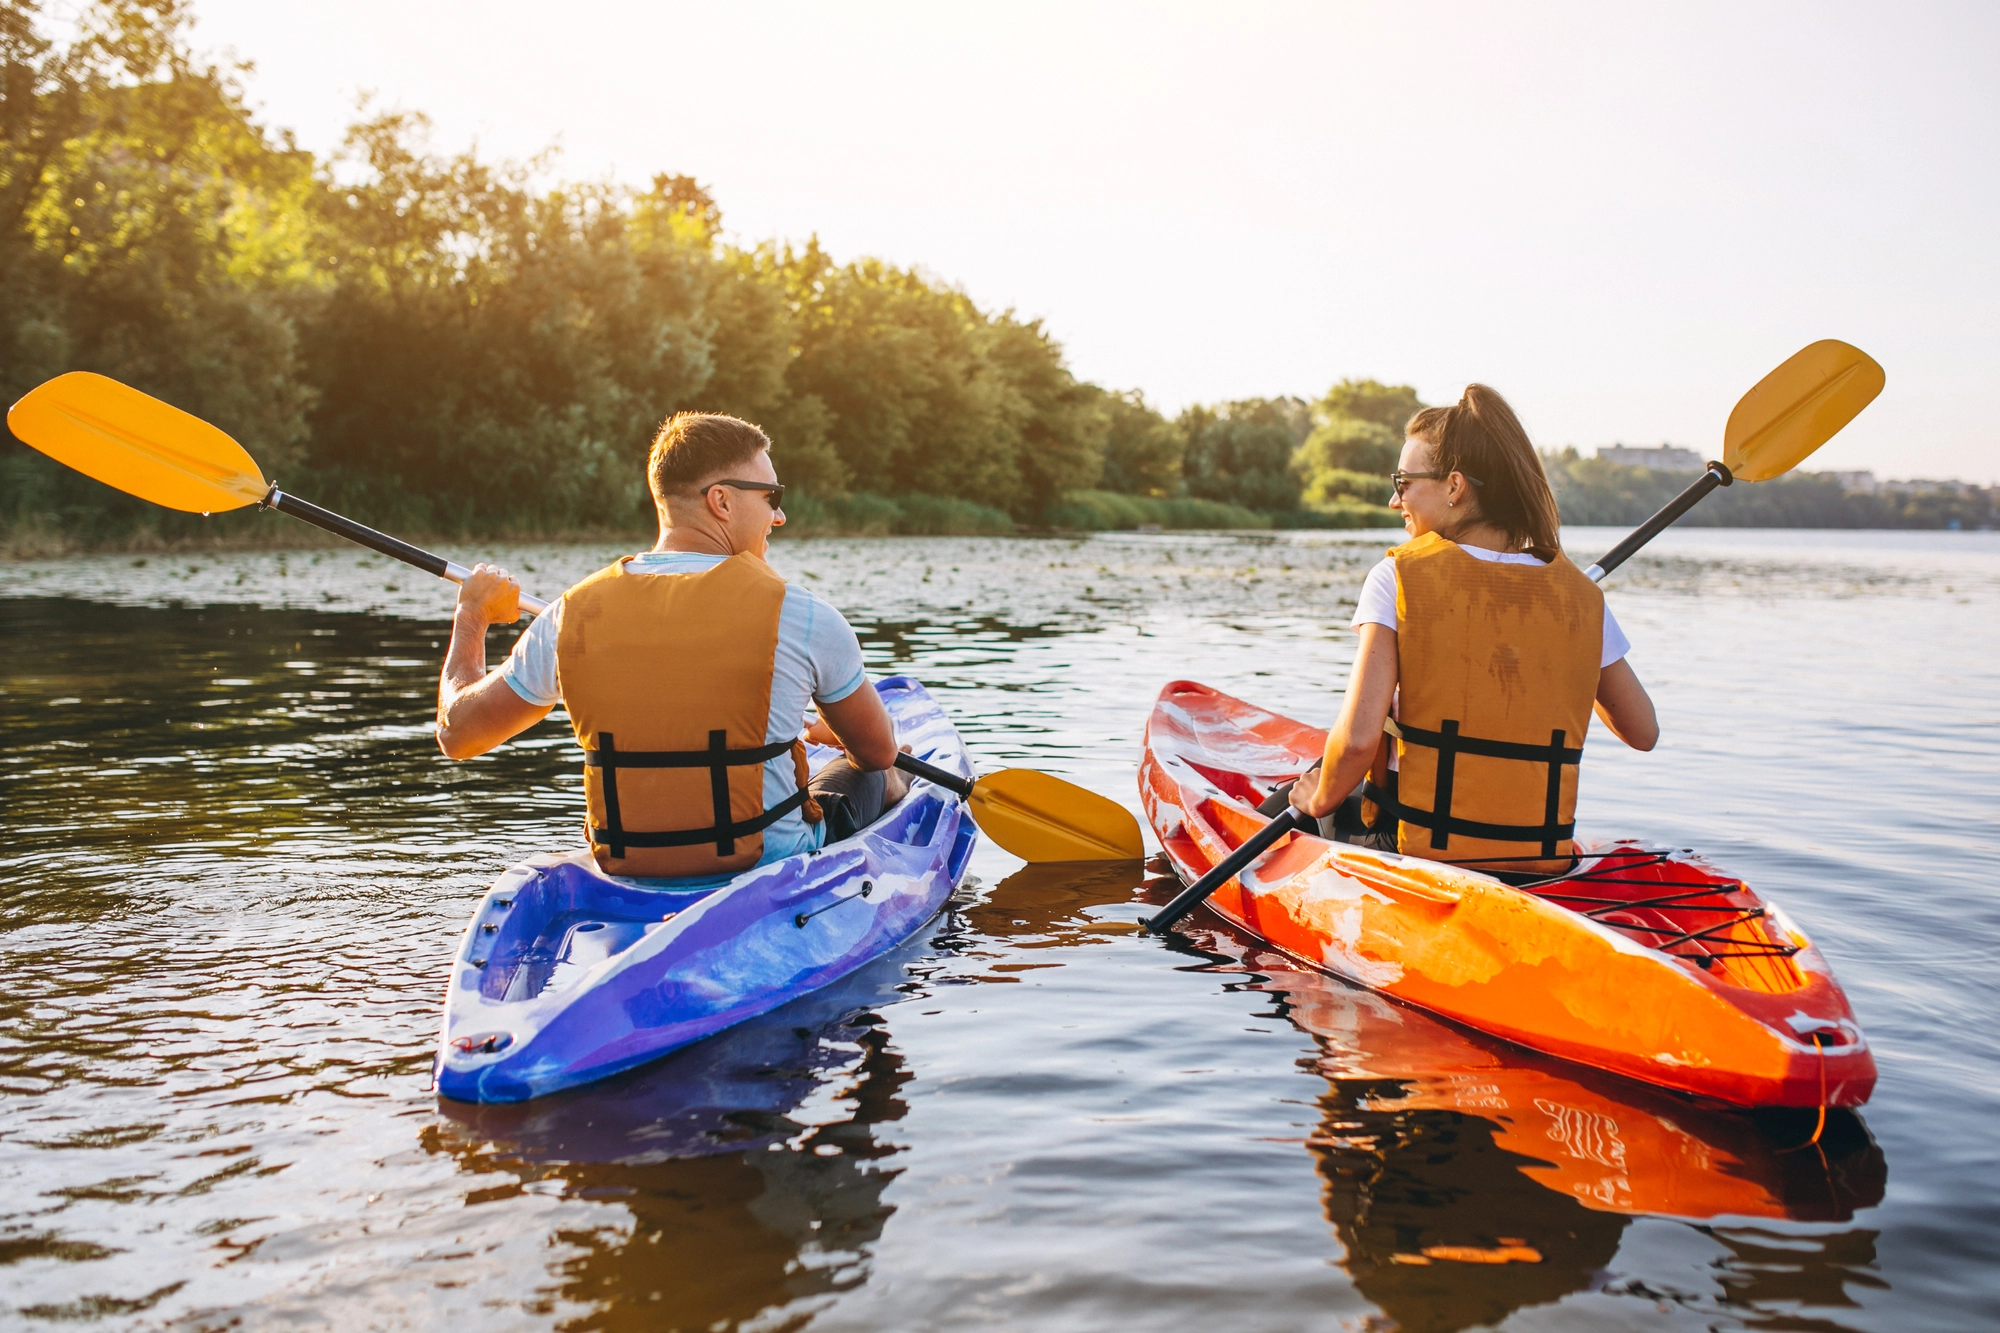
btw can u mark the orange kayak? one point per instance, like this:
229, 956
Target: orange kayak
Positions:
1649, 963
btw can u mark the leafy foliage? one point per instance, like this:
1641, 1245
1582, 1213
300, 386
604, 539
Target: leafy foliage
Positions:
1106, 511
1241, 452
1355, 443
436, 342
1142, 449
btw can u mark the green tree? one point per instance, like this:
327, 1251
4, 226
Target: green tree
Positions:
1387, 405
1142, 449
1055, 426
496, 350
130, 176
925, 394
1241, 452
1357, 438
1348, 444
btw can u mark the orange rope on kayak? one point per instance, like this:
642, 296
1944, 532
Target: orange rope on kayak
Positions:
1819, 1044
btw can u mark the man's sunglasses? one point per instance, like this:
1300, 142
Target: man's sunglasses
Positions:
773, 492
1401, 479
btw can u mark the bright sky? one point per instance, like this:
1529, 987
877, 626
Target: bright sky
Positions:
1621, 216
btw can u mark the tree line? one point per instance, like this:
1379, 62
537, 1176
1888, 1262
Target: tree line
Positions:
447, 343
440, 343
1598, 491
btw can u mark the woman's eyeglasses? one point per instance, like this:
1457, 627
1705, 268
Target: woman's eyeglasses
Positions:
1401, 479
774, 494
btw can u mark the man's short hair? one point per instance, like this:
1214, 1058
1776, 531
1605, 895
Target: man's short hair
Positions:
693, 447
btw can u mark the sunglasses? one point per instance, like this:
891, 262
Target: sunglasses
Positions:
774, 494
1401, 479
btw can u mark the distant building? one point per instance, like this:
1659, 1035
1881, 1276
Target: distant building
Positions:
1925, 486
1857, 483
1659, 457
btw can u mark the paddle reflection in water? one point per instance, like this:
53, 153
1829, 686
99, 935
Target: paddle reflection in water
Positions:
1468, 1178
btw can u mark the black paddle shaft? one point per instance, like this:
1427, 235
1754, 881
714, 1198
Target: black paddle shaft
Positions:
1293, 820
949, 781
361, 535
355, 532
1717, 475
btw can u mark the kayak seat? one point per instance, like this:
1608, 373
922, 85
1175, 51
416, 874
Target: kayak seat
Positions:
570, 946
562, 919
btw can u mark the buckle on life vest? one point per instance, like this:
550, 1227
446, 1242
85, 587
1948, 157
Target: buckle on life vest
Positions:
1449, 742
718, 759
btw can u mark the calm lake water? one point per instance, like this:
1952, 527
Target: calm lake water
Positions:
234, 869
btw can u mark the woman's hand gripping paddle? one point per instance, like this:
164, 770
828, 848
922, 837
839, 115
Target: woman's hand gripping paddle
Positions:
115, 434
144, 447
1785, 416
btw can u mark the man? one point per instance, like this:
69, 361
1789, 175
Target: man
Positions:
686, 672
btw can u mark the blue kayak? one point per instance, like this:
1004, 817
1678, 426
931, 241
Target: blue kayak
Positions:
566, 975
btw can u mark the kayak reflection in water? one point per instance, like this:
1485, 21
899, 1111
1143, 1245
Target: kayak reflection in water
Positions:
686, 672
719, 1198
1490, 649
1467, 1179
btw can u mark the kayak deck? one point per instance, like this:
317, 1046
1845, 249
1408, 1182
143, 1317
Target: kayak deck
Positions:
1645, 962
565, 975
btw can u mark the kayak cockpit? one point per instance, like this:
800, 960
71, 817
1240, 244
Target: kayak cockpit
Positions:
554, 919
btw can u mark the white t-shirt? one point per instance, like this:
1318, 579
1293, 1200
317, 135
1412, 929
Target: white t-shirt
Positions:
818, 659
1377, 603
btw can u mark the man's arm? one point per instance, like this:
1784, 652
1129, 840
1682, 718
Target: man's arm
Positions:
864, 728
476, 709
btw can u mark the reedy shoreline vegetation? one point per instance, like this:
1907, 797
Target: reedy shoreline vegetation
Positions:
447, 346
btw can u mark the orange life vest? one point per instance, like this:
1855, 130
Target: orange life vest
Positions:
1497, 670
667, 681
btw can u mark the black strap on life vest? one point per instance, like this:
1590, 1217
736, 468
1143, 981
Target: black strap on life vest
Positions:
718, 759
1450, 743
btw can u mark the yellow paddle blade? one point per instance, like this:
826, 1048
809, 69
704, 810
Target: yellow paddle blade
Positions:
137, 443
1040, 818
1797, 408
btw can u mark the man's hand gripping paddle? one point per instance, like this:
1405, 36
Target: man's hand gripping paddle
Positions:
144, 447
1785, 416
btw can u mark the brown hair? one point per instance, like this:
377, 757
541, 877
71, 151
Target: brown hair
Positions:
694, 446
1481, 437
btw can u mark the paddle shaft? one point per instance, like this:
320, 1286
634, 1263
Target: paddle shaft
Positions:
1293, 820
329, 521
1717, 475
949, 781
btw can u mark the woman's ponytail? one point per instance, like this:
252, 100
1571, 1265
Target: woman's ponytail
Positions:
1481, 437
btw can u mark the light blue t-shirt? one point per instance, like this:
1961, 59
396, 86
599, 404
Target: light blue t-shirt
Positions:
818, 660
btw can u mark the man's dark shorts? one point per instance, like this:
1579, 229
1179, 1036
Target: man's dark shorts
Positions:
850, 798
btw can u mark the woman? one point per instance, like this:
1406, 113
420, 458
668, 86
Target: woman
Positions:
1490, 648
